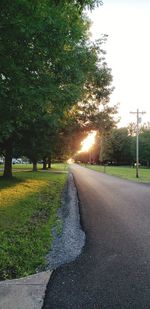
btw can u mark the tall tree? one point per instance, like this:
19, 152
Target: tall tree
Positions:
144, 147
116, 147
44, 59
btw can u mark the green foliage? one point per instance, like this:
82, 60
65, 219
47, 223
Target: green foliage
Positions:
93, 111
144, 146
47, 66
41, 60
89, 3
119, 146
116, 147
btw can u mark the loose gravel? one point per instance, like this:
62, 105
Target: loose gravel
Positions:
68, 245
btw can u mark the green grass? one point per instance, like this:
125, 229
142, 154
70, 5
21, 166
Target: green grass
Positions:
28, 212
124, 172
27, 166
60, 166
56, 167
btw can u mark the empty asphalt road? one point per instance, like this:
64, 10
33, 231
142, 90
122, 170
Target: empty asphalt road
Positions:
113, 270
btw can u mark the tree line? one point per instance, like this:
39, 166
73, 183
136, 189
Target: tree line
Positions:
118, 147
52, 79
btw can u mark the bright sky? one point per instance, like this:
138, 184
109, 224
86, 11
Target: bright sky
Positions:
127, 23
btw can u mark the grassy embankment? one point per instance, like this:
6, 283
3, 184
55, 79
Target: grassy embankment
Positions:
123, 172
28, 212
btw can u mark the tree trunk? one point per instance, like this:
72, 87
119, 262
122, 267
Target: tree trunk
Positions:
34, 166
8, 161
44, 164
49, 161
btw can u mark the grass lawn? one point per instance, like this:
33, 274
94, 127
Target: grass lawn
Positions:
60, 166
55, 166
123, 172
28, 211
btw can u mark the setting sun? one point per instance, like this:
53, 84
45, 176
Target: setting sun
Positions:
70, 161
88, 142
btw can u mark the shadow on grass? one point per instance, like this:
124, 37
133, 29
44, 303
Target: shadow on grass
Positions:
8, 183
16, 178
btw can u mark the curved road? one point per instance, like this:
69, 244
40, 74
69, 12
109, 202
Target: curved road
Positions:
113, 270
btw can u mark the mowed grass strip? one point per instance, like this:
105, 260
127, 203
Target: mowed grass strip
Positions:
60, 166
123, 172
28, 166
28, 212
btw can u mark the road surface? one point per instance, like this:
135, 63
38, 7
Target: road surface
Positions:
113, 270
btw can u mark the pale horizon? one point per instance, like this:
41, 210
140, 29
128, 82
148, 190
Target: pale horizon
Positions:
127, 25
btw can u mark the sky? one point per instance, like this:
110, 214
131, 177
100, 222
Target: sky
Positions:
127, 24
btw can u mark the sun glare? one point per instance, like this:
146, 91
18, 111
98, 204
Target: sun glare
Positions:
88, 142
70, 161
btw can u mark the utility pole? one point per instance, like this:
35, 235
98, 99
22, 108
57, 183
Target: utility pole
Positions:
138, 120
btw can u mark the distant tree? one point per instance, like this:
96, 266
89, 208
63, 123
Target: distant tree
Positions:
144, 147
144, 142
116, 147
36, 139
132, 128
106, 148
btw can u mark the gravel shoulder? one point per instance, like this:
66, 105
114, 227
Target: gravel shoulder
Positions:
68, 245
